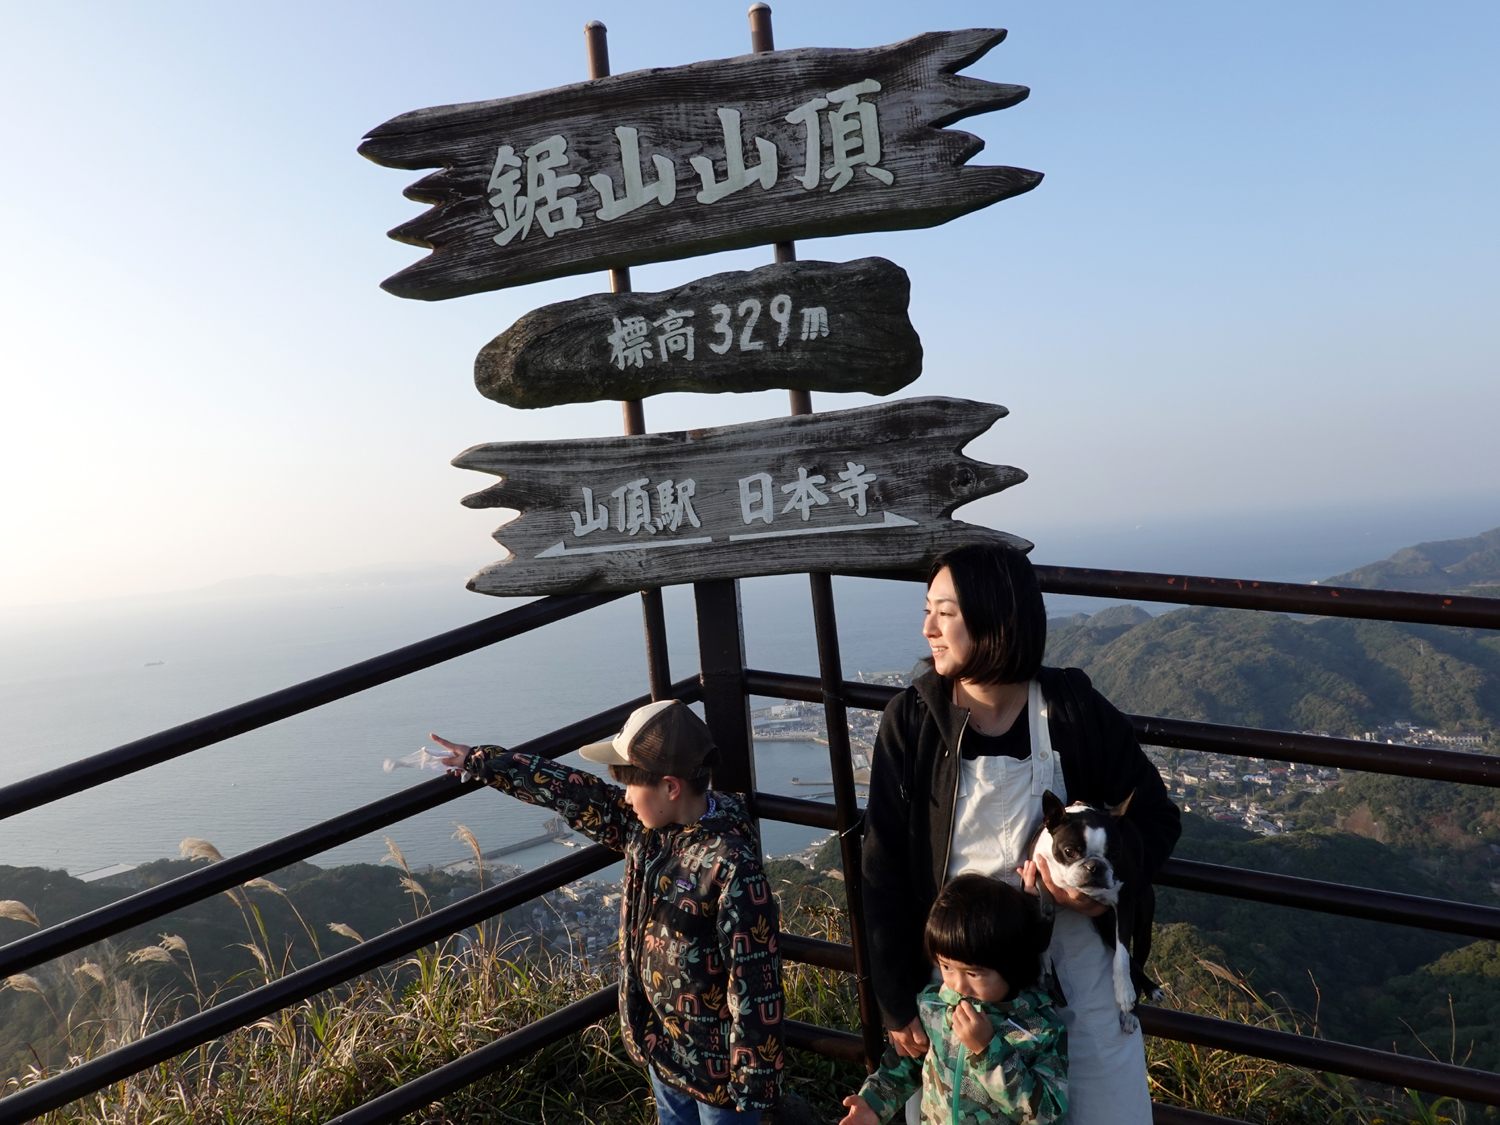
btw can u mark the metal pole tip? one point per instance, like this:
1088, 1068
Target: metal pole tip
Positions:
594, 25
759, 7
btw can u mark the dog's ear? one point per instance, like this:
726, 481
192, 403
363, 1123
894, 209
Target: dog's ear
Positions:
1119, 810
1052, 809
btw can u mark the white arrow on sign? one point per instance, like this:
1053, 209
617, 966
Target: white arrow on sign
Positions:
560, 548
891, 520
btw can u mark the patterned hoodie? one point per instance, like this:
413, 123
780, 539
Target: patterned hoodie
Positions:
1021, 1076
700, 972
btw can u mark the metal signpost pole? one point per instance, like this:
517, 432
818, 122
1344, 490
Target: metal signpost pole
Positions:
658, 668
835, 715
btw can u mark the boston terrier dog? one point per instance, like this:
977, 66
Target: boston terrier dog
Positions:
1093, 851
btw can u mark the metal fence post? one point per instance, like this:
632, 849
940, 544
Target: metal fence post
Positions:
834, 713
850, 819
633, 413
721, 653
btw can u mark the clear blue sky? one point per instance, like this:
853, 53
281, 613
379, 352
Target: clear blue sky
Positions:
1262, 271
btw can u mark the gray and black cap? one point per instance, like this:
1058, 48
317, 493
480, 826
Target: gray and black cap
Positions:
665, 737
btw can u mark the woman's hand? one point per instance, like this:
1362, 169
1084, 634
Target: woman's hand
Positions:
457, 753
910, 1041
1034, 869
859, 1113
974, 1031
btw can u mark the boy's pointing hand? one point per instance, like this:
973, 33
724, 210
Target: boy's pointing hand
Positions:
456, 755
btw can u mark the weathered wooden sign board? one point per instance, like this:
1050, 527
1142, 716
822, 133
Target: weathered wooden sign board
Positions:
815, 326
670, 163
849, 490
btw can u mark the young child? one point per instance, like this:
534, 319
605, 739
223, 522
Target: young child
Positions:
700, 976
998, 1050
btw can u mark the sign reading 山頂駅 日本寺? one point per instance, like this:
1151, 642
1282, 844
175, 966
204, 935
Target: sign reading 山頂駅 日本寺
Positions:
662, 164
847, 491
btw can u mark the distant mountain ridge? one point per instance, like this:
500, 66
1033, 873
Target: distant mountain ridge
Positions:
1448, 566
1331, 674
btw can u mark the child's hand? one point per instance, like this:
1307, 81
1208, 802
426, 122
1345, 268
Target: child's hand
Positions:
457, 752
974, 1031
859, 1113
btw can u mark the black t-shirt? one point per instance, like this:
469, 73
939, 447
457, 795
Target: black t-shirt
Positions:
1014, 743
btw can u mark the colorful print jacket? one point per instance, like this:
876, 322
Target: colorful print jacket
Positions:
700, 971
1021, 1076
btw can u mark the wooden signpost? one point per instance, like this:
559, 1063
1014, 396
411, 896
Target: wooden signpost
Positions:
847, 490
816, 326
662, 164
665, 164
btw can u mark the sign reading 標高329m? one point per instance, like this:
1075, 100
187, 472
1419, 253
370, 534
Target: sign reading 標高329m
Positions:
672, 163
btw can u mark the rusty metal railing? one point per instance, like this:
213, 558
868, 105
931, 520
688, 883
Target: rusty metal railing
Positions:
724, 687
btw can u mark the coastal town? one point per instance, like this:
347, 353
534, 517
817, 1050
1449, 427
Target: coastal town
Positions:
1259, 794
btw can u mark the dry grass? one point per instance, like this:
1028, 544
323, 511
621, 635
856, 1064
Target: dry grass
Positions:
327, 1054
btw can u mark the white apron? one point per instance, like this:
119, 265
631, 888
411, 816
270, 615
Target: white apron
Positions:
998, 808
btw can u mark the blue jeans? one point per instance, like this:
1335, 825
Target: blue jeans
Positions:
673, 1107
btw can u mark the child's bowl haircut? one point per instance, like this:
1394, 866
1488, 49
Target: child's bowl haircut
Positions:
976, 920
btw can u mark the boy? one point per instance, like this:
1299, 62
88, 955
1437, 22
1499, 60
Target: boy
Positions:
700, 975
998, 1050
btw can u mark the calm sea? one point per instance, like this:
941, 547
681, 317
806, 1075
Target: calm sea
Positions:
77, 679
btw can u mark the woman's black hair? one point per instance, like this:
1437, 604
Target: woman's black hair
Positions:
1003, 611
977, 920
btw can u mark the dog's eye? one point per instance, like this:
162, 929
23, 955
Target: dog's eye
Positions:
1071, 853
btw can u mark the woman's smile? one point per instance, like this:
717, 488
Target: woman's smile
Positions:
943, 626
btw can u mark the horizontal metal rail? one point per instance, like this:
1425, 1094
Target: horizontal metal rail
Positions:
435, 1084
1320, 750
1383, 1067
1439, 914
195, 886
796, 810
1214, 738
438, 1083
816, 951
1180, 1115
826, 1041
809, 689
250, 1006
1250, 593
1323, 1054
221, 725
412, 1096
1285, 597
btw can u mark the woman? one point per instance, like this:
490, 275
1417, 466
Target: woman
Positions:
961, 762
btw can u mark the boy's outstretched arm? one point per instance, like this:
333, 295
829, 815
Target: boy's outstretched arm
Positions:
590, 804
749, 932
885, 1092
1025, 1071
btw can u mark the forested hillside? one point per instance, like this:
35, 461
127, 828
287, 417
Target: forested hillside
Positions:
1384, 986
1337, 675
1452, 566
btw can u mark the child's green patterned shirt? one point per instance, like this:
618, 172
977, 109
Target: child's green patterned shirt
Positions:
1022, 1075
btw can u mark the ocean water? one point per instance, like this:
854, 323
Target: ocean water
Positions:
81, 678
75, 680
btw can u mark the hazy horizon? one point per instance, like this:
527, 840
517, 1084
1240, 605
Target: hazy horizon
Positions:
1260, 276
1285, 546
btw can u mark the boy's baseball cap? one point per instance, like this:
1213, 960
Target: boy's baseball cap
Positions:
664, 737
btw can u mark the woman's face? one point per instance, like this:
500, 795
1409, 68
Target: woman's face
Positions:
943, 626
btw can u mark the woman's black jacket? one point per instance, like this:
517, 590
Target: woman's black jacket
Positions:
914, 783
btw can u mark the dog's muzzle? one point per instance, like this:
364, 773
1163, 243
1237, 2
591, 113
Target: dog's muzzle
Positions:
1096, 873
